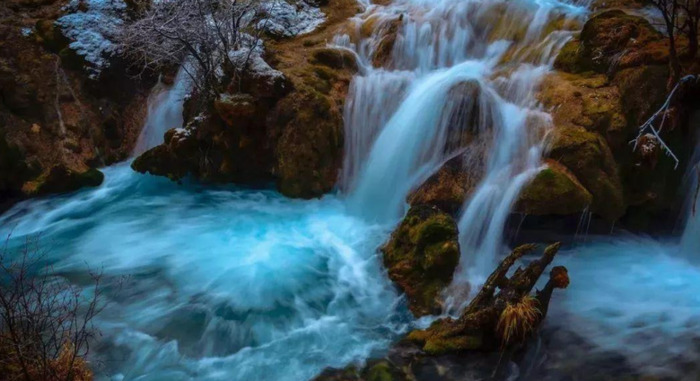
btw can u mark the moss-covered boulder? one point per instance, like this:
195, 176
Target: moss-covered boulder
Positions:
554, 191
421, 257
61, 179
588, 157
309, 150
610, 41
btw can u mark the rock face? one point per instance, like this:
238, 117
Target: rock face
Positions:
421, 257
52, 113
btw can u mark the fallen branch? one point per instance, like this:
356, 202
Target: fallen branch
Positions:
662, 111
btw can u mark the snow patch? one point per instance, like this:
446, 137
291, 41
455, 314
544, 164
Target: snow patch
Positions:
289, 20
91, 26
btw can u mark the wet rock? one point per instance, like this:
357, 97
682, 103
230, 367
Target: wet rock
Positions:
421, 257
554, 190
588, 157
170, 159
61, 179
449, 187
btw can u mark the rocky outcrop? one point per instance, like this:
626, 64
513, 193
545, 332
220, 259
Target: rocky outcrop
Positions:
281, 124
421, 257
611, 41
51, 111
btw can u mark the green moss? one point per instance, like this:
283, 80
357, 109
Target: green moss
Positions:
554, 192
380, 372
569, 58
421, 256
441, 345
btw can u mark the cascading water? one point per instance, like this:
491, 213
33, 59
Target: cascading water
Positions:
164, 112
230, 284
441, 46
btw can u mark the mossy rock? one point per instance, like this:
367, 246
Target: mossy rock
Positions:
441, 338
642, 91
554, 191
587, 155
309, 150
421, 257
610, 41
61, 179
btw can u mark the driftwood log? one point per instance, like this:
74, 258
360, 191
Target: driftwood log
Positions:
503, 313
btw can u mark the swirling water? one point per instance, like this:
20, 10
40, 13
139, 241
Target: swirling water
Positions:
225, 283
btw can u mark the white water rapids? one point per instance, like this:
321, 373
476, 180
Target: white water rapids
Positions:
224, 283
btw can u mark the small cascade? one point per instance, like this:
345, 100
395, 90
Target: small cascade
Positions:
406, 115
164, 112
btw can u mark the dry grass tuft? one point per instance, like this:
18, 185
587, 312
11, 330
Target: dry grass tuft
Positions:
518, 320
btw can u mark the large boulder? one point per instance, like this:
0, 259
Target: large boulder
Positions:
610, 41
421, 257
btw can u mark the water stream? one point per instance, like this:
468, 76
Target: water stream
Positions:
223, 283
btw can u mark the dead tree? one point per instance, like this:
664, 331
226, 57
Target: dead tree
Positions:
690, 24
503, 313
209, 38
45, 322
671, 13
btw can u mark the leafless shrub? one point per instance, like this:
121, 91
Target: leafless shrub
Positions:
202, 33
45, 322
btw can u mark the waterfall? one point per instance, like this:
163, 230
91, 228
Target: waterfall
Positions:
401, 118
164, 112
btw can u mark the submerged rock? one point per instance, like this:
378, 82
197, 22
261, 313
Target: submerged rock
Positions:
421, 257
